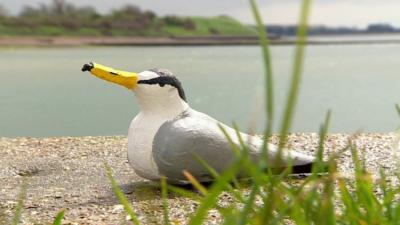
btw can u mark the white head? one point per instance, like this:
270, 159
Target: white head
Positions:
156, 90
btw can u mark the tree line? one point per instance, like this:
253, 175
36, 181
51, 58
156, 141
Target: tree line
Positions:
66, 17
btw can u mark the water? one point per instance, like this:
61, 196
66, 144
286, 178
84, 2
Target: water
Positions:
43, 92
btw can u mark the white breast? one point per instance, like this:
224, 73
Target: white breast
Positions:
140, 141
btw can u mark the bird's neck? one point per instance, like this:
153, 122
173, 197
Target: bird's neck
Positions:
167, 107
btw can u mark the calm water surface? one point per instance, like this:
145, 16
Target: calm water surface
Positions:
43, 92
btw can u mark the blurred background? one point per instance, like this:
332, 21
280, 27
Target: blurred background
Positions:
351, 67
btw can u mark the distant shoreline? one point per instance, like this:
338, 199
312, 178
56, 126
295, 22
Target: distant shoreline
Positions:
168, 41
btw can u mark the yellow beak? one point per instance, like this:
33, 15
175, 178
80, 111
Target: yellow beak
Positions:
126, 79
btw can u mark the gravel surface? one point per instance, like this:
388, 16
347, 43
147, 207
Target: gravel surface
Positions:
68, 173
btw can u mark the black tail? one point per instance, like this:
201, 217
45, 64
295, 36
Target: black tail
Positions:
307, 168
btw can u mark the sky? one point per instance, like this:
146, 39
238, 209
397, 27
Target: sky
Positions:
350, 13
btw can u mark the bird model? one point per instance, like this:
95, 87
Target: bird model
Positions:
167, 136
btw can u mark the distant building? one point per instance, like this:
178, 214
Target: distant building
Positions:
291, 30
381, 28
282, 30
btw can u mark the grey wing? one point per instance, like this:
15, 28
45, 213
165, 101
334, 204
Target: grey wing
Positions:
177, 143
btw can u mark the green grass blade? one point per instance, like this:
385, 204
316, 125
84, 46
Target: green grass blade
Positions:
250, 167
268, 86
245, 151
388, 195
352, 210
59, 218
364, 189
204, 164
212, 197
20, 201
120, 195
271, 202
304, 203
164, 195
319, 165
216, 175
397, 109
233, 145
183, 192
269, 91
327, 214
248, 205
253, 171
297, 72
242, 143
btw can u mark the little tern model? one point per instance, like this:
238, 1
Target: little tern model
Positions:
166, 134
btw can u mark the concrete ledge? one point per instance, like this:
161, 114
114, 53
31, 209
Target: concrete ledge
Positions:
68, 172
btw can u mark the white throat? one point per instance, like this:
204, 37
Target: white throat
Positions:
169, 105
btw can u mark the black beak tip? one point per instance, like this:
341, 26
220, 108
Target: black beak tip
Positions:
87, 67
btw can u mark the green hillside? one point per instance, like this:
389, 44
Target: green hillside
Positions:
221, 25
60, 18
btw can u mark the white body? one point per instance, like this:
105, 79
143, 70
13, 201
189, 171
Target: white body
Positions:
154, 111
